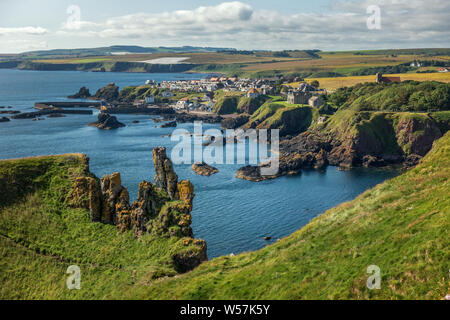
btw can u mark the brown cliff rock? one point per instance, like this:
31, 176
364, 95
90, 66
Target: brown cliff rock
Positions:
162, 209
115, 204
166, 178
86, 194
204, 169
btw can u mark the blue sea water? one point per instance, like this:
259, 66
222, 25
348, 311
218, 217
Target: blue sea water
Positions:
232, 215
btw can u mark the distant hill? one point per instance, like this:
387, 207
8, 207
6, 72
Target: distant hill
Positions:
105, 51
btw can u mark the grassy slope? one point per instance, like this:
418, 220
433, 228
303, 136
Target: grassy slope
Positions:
401, 225
41, 236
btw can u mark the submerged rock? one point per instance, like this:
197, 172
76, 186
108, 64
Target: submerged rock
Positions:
4, 119
204, 169
107, 122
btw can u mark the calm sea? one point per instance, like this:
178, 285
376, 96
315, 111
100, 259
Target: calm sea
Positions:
232, 215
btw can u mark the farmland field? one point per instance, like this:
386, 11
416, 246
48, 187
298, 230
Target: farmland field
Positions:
336, 83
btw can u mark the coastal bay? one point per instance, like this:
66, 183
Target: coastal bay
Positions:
232, 215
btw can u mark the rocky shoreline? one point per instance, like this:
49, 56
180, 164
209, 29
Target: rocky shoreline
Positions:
318, 148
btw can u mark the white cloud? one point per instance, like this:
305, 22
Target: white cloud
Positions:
21, 45
236, 24
405, 23
23, 31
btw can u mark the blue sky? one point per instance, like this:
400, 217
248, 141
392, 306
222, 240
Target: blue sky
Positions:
323, 24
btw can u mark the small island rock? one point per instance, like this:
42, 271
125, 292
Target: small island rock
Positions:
107, 122
82, 94
204, 169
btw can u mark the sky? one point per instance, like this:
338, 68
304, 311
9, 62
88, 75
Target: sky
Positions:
27, 25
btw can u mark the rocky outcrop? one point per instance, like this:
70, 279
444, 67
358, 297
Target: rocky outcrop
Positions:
204, 169
171, 124
190, 259
107, 122
414, 143
9, 112
4, 119
115, 200
235, 122
365, 139
162, 209
191, 117
87, 194
56, 115
83, 93
166, 178
109, 93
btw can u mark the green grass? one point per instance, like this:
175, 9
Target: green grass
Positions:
41, 236
401, 226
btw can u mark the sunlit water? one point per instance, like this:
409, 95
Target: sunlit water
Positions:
232, 215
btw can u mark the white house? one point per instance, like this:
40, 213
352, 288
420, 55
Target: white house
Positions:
182, 104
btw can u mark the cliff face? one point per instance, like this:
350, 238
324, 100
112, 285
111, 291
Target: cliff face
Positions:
400, 225
351, 139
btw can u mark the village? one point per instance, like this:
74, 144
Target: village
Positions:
200, 95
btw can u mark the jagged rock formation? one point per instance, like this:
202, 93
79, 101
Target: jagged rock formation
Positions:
87, 194
107, 122
162, 209
235, 122
108, 93
82, 94
166, 178
204, 169
191, 117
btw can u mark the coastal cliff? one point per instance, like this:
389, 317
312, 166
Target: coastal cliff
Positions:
106, 66
53, 209
400, 226
359, 133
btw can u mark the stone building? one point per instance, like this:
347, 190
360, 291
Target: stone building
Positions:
316, 102
298, 97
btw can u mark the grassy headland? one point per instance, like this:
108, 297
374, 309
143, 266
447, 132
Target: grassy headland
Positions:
400, 226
